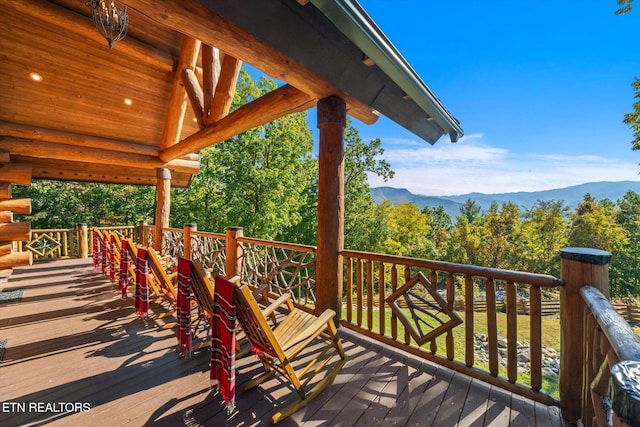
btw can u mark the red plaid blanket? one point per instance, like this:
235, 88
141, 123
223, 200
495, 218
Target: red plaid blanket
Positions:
223, 342
142, 286
184, 306
123, 280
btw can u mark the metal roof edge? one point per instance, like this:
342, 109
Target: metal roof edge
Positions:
353, 21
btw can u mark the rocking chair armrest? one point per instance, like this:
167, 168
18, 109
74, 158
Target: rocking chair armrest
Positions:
283, 299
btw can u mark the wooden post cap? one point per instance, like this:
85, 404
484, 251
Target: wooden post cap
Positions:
586, 255
624, 390
235, 228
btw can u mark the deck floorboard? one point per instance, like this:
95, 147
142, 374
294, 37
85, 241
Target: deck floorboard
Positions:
72, 339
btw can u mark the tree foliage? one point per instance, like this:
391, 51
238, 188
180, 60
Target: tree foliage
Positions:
633, 119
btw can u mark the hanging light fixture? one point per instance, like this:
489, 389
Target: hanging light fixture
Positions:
110, 21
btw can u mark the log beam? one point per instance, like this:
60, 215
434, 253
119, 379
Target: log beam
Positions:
6, 216
192, 18
77, 140
84, 26
194, 92
16, 259
15, 231
280, 102
24, 147
6, 248
210, 77
178, 101
18, 206
225, 89
15, 173
5, 191
4, 156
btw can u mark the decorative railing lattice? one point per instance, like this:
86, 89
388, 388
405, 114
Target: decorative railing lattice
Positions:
210, 250
172, 242
52, 243
285, 267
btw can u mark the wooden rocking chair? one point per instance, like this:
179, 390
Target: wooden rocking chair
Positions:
278, 348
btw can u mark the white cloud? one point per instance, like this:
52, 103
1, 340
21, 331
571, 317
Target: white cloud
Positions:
473, 166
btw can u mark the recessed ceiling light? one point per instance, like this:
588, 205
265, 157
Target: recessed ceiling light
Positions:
35, 77
128, 101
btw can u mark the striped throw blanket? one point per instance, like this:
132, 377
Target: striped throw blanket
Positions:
223, 342
184, 307
123, 280
142, 285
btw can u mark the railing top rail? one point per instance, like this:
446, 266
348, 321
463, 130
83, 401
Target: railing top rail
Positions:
286, 245
623, 339
543, 280
50, 230
119, 227
220, 236
173, 230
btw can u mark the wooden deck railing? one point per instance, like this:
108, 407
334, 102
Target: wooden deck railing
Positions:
372, 279
411, 304
608, 340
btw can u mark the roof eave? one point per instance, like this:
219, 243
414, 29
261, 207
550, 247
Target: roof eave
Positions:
349, 17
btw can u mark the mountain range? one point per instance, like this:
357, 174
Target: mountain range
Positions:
571, 196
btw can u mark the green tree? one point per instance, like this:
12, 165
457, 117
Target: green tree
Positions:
257, 179
633, 119
364, 222
407, 232
500, 230
628, 259
624, 6
594, 226
441, 230
63, 204
544, 234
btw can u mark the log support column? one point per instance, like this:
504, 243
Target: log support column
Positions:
330, 239
579, 267
163, 205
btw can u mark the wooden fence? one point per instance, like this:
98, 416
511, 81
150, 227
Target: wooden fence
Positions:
630, 313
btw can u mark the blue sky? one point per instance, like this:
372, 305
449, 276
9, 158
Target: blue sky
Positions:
540, 88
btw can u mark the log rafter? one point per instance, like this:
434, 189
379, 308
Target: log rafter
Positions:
225, 89
192, 18
178, 102
275, 104
210, 75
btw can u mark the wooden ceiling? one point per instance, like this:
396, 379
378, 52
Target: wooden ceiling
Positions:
117, 115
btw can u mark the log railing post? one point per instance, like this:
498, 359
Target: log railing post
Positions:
141, 235
83, 240
186, 235
234, 252
330, 239
579, 267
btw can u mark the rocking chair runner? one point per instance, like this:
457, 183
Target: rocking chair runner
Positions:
277, 349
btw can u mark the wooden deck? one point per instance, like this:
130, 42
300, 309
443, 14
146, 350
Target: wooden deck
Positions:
72, 343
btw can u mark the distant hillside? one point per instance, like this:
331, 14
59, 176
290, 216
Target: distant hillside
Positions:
571, 196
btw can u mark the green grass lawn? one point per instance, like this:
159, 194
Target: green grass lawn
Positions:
550, 338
